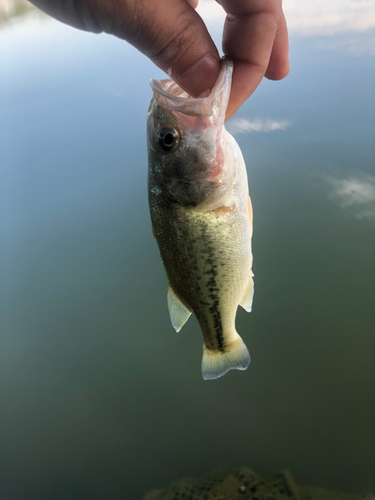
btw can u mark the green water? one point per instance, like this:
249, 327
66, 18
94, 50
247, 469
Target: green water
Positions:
100, 398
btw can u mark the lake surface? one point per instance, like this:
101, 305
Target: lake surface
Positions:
100, 398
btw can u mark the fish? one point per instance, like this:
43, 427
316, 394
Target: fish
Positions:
201, 216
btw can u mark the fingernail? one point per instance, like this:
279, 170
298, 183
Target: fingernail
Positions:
201, 76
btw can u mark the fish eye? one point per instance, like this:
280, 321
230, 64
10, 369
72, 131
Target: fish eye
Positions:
168, 139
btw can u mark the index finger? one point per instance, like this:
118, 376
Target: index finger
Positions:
249, 34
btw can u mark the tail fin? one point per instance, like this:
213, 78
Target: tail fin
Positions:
216, 364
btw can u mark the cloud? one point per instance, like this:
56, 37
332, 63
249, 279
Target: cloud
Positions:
358, 43
358, 193
241, 125
318, 17
328, 18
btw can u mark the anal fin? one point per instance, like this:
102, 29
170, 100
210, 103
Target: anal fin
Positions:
247, 299
178, 312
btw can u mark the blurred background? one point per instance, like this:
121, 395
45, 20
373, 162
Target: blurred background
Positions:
99, 397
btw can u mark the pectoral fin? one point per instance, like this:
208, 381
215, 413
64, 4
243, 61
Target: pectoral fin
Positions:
247, 299
178, 312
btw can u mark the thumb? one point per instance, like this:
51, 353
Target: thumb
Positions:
174, 37
169, 32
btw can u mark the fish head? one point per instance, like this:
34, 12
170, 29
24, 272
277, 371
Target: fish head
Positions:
190, 158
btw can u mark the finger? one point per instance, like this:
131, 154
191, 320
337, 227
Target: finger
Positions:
278, 66
249, 33
193, 3
170, 33
175, 38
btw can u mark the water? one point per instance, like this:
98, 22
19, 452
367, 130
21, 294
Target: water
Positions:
99, 397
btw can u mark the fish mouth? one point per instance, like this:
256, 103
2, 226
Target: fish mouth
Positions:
172, 97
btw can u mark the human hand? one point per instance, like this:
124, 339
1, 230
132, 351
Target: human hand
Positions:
174, 37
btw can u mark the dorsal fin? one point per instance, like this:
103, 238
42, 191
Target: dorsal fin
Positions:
247, 299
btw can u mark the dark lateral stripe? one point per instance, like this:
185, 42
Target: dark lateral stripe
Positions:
218, 326
210, 273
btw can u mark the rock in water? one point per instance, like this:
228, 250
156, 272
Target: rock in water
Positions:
245, 484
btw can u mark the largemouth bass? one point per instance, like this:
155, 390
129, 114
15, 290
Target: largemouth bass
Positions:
201, 216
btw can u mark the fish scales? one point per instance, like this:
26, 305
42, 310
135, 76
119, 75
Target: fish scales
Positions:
204, 269
202, 217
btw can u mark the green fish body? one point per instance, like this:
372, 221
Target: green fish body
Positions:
201, 216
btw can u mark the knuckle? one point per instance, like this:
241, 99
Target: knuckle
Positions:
172, 46
136, 20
